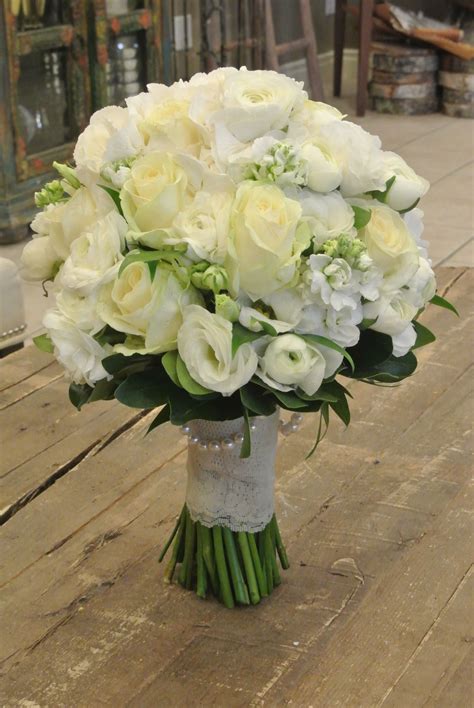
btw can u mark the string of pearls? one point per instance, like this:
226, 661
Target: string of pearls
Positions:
229, 443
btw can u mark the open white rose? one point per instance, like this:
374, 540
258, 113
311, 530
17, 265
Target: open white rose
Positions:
264, 243
204, 226
291, 361
408, 187
160, 186
205, 345
79, 353
391, 246
393, 315
95, 255
145, 307
327, 215
39, 259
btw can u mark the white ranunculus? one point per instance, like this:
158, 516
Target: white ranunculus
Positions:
204, 226
422, 287
256, 102
160, 186
324, 174
147, 308
358, 155
332, 281
39, 259
264, 243
414, 222
391, 246
205, 345
109, 136
65, 221
338, 325
95, 255
80, 309
408, 187
291, 361
327, 215
393, 315
311, 115
79, 353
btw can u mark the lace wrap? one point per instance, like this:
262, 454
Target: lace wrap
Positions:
224, 489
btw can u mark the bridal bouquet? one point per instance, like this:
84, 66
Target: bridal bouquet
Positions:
225, 248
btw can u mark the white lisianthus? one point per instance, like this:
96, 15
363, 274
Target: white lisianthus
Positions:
204, 226
95, 255
331, 279
264, 243
205, 345
39, 259
290, 361
327, 215
393, 315
109, 136
160, 186
79, 353
422, 287
358, 155
65, 221
391, 246
80, 309
147, 308
338, 325
407, 188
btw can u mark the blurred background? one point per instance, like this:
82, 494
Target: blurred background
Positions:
405, 75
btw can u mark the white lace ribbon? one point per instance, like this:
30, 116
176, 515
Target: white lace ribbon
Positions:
224, 489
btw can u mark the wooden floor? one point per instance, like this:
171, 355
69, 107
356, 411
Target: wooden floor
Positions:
376, 609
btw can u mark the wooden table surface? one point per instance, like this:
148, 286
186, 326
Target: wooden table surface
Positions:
375, 609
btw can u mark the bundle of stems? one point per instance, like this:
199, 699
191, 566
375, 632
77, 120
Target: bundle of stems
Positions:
237, 567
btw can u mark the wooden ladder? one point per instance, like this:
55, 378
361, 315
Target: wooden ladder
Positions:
306, 43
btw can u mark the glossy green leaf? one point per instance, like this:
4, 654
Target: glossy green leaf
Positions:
44, 343
290, 400
79, 394
242, 335
246, 448
257, 400
323, 417
341, 409
162, 417
103, 391
169, 364
325, 342
423, 335
115, 196
442, 302
187, 382
361, 217
144, 390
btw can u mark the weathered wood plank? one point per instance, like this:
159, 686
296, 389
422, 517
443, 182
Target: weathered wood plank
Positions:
21, 365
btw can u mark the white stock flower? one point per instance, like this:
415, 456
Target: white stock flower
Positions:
422, 287
264, 244
79, 353
393, 315
95, 255
332, 280
338, 325
408, 187
147, 308
205, 345
270, 159
327, 215
391, 246
39, 260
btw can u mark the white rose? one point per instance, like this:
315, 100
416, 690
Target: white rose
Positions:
109, 136
327, 215
205, 345
358, 155
204, 226
264, 243
323, 172
66, 221
291, 361
80, 309
391, 246
393, 315
160, 186
95, 255
79, 353
408, 187
149, 309
39, 259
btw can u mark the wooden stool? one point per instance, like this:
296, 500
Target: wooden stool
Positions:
365, 35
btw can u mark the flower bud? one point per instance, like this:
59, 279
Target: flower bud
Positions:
214, 278
51, 193
227, 308
68, 173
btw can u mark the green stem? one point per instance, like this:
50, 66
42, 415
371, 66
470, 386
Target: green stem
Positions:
262, 583
224, 583
249, 569
268, 552
279, 545
186, 570
201, 568
170, 568
173, 534
275, 571
208, 555
240, 589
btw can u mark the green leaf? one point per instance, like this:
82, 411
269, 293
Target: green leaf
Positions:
372, 349
115, 195
382, 196
325, 342
246, 448
187, 382
145, 389
185, 408
341, 409
395, 369
110, 336
256, 400
367, 323
162, 417
119, 363
290, 400
320, 395
79, 394
169, 364
242, 335
103, 391
423, 335
44, 343
266, 327
361, 217
442, 302
324, 416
